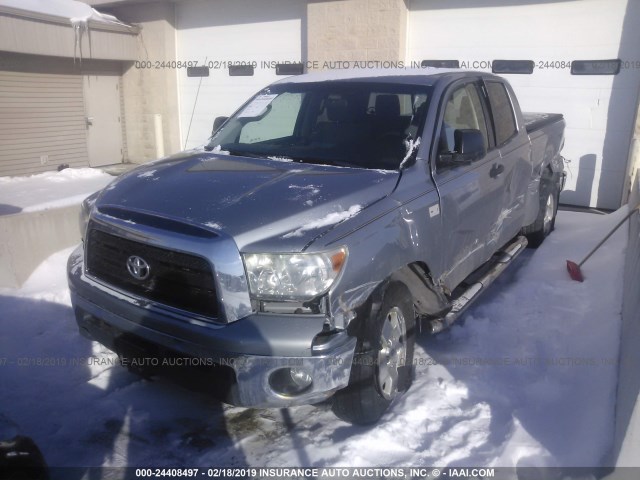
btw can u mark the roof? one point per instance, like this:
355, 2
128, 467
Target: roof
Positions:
64, 28
418, 76
70, 12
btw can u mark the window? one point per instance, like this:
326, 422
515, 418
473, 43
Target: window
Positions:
202, 71
278, 121
440, 63
350, 123
596, 67
503, 118
463, 111
241, 70
289, 69
513, 66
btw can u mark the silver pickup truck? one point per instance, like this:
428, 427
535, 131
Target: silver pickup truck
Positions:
326, 223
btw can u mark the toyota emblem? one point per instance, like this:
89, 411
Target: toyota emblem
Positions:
138, 267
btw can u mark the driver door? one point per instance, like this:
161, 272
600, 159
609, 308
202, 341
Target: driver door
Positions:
469, 193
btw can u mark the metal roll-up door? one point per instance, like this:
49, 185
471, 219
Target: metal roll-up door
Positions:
42, 122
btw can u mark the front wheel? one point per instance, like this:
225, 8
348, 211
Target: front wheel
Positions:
381, 369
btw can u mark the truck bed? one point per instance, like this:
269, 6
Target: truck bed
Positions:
546, 132
535, 121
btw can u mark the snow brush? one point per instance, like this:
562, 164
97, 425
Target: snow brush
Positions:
574, 268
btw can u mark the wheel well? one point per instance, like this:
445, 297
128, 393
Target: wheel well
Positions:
415, 277
427, 297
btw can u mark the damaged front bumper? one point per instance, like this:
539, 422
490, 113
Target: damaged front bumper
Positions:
277, 360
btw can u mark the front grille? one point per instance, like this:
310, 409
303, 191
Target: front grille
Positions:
175, 279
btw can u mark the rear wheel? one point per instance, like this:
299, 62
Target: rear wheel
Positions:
545, 223
381, 370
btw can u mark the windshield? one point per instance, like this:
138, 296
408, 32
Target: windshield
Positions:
356, 124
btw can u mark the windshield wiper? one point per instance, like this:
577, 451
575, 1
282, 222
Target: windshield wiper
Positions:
318, 161
324, 161
240, 153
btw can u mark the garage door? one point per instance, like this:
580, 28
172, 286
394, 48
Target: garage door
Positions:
230, 31
42, 122
600, 110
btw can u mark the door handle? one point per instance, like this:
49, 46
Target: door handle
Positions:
496, 170
89, 121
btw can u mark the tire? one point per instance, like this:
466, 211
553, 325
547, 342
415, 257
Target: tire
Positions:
21, 459
546, 221
382, 367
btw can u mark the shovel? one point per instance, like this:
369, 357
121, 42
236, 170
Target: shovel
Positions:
574, 268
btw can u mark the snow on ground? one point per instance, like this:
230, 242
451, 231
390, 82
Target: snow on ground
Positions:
528, 380
50, 189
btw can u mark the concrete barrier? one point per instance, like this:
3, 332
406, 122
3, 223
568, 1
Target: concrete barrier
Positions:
28, 238
626, 451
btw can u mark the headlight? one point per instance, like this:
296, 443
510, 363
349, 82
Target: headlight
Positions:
293, 276
85, 212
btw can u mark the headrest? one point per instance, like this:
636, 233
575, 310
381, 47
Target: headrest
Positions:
336, 109
387, 106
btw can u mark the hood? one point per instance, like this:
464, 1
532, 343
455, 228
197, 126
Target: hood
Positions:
265, 205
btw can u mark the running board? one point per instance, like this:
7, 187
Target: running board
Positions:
500, 262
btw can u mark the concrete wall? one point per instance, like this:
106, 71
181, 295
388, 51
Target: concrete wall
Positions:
27, 239
151, 91
627, 441
356, 30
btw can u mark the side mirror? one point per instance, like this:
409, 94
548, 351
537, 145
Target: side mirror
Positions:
468, 146
217, 123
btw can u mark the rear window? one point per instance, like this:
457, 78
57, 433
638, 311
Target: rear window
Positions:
503, 118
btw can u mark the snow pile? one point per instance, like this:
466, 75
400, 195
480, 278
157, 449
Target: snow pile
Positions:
50, 189
411, 146
329, 219
528, 380
281, 159
147, 174
76, 12
219, 151
305, 194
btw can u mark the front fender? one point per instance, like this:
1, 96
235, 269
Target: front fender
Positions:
388, 240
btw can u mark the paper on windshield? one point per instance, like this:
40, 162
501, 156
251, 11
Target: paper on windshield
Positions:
257, 106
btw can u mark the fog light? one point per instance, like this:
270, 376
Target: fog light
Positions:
300, 377
290, 381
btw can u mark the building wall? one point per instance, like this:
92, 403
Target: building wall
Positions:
43, 112
599, 109
44, 63
42, 115
150, 91
356, 30
56, 37
231, 31
627, 439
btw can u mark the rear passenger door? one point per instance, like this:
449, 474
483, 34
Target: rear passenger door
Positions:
470, 194
512, 142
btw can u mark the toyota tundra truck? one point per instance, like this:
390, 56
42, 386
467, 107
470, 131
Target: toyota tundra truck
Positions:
327, 222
